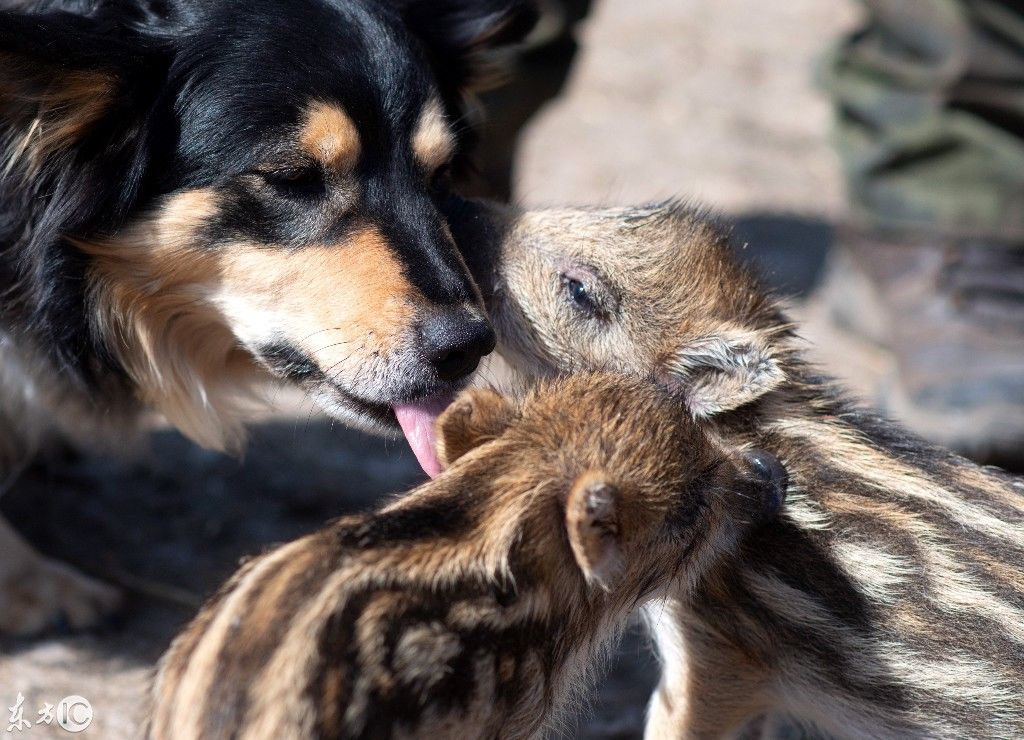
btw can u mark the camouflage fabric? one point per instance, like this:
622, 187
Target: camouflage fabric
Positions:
930, 106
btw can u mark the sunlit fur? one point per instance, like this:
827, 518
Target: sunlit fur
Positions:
888, 600
470, 607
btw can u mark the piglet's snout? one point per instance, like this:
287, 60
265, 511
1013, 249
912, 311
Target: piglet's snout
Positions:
769, 479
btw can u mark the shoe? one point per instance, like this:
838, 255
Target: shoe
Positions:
940, 326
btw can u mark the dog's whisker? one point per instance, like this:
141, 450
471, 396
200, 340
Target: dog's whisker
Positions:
321, 331
329, 346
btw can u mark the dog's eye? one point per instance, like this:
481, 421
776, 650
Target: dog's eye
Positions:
295, 182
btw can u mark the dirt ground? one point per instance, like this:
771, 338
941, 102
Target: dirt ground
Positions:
711, 99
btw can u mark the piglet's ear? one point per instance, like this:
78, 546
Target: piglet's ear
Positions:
476, 416
722, 372
592, 524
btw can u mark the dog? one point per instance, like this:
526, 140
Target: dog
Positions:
203, 200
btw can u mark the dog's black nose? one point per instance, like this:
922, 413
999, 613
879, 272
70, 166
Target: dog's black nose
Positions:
454, 341
771, 478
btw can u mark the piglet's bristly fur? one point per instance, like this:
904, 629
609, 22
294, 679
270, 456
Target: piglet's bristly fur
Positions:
888, 598
478, 604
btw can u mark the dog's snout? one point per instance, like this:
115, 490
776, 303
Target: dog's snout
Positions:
454, 341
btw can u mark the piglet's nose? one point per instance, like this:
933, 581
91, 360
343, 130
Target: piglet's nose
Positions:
454, 340
770, 478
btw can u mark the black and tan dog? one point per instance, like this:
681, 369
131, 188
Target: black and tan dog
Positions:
198, 199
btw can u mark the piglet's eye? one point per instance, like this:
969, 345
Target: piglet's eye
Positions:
580, 296
578, 291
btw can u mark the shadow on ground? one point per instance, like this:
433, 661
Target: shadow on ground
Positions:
172, 525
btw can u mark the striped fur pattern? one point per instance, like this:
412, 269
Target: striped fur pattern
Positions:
888, 601
473, 606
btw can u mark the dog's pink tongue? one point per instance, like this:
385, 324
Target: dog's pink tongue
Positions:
417, 422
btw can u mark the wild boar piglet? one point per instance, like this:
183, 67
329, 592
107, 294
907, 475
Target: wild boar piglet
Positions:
888, 598
476, 605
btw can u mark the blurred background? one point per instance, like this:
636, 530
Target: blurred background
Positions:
613, 101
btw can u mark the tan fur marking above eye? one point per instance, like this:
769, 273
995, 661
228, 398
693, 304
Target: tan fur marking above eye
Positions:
330, 136
433, 142
54, 114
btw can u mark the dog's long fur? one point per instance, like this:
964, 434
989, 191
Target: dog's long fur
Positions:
474, 606
888, 600
202, 199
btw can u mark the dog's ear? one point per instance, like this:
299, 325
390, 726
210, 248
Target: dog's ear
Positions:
592, 525
460, 34
64, 80
475, 417
722, 371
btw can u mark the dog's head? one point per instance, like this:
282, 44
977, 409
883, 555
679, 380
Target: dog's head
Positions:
250, 192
